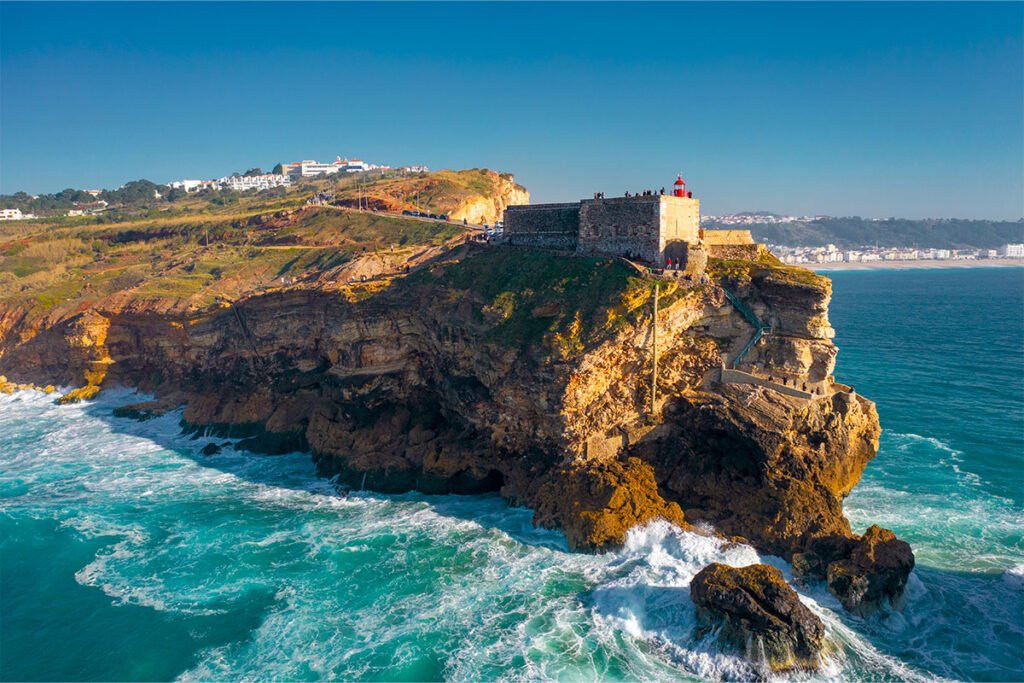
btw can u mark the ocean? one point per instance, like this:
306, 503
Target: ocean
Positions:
127, 555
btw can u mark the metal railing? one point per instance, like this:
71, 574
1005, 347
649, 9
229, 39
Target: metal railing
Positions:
759, 327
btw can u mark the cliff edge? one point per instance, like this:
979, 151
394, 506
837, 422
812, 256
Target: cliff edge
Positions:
466, 368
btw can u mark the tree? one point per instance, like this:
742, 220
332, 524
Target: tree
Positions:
278, 170
254, 171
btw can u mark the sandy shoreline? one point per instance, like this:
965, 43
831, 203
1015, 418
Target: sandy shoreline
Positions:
909, 265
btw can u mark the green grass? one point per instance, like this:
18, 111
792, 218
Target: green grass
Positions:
534, 298
364, 229
61, 292
737, 274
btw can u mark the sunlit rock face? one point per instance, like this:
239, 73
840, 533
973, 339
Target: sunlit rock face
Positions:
521, 372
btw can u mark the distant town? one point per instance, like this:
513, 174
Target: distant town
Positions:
832, 254
283, 175
823, 239
286, 174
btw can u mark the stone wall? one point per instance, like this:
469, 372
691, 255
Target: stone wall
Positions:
624, 226
545, 226
680, 220
735, 252
729, 376
650, 229
723, 237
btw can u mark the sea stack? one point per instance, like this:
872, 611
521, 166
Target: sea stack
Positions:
755, 612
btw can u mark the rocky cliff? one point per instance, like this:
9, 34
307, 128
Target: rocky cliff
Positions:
514, 371
475, 195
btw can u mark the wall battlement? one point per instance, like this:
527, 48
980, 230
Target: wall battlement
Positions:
650, 228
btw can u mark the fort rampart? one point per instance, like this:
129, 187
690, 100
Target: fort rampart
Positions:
545, 226
724, 237
650, 228
735, 252
625, 226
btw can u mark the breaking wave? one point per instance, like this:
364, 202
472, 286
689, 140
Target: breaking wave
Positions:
409, 586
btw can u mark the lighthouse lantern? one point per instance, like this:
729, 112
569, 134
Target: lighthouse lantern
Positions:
679, 187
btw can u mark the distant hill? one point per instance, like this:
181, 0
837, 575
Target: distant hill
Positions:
854, 231
192, 250
478, 195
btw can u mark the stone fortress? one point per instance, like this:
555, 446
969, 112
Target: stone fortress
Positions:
652, 228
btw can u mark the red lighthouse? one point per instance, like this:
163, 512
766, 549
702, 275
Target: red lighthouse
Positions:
679, 187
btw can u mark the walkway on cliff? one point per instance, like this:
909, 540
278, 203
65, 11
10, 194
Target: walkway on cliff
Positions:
759, 327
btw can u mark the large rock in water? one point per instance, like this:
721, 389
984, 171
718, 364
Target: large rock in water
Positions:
876, 570
759, 614
598, 504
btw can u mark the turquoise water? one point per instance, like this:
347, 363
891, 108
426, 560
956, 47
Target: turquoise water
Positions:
125, 554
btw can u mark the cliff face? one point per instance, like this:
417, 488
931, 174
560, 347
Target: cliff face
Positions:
510, 371
475, 195
491, 207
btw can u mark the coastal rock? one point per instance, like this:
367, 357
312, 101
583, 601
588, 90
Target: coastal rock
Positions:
597, 505
764, 466
511, 371
210, 449
757, 613
875, 571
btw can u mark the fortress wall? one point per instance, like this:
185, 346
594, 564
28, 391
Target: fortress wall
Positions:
735, 252
621, 226
724, 237
545, 226
680, 220
729, 376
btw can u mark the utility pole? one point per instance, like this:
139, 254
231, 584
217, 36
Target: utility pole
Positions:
654, 359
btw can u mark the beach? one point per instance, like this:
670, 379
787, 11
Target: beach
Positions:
922, 264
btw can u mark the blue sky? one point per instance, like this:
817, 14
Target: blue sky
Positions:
871, 109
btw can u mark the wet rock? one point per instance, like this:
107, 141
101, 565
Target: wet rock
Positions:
757, 613
433, 383
876, 571
211, 449
598, 503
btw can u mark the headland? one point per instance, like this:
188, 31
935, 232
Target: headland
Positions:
637, 368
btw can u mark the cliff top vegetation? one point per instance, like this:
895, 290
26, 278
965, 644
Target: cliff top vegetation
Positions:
738, 274
198, 257
540, 300
442, 192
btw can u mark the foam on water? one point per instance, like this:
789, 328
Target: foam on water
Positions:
374, 586
127, 555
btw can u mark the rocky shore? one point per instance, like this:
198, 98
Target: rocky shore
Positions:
525, 373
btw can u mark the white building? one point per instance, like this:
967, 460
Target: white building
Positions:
187, 185
414, 169
1012, 250
11, 215
309, 168
254, 182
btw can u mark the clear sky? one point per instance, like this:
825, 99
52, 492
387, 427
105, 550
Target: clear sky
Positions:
872, 109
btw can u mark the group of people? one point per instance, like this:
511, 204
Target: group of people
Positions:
645, 193
676, 264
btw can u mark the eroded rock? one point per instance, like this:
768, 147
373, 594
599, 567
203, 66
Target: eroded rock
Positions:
758, 614
597, 504
435, 383
876, 571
